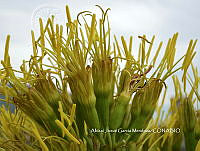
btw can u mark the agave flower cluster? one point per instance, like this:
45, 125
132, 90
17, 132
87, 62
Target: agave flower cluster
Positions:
82, 98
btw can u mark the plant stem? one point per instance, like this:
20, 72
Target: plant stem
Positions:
190, 141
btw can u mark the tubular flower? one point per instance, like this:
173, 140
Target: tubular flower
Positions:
188, 120
144, 103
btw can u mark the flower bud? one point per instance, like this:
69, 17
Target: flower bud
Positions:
188, 121
118, 111
103, 81
120, 105
49, 91
83, 95
144, 103
187, 115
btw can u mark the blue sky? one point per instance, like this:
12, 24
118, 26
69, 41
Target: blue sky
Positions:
127, 17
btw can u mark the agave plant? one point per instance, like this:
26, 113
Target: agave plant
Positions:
84, 99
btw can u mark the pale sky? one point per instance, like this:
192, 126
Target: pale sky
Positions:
127, 17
